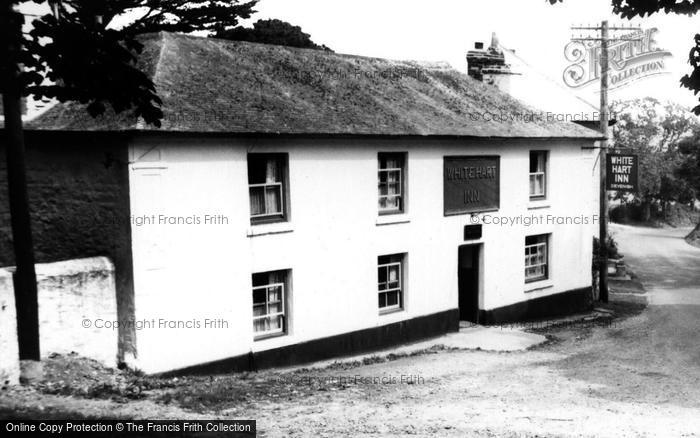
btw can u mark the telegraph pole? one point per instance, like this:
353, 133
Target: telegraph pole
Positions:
25, 276
604, 31
604, 120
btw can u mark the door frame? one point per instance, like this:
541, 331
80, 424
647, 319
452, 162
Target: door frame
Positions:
478, 247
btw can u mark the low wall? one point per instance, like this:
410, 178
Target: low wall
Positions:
9, 355
77, 306
78, 186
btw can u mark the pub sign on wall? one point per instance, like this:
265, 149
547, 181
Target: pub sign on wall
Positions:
471, 184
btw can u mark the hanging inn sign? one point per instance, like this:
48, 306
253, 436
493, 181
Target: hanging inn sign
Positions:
622, 172
471, 184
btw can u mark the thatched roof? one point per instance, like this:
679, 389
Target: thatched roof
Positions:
210, 85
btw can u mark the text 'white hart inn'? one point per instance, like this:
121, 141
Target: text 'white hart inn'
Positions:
298, 204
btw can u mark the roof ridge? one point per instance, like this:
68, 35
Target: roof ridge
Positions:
420, 63
140, 123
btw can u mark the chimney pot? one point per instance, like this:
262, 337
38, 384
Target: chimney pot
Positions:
489, 65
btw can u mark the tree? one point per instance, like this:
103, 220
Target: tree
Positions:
689, 168
630, 9
274, 31
75, 53
653, 131
689, 171
643, 8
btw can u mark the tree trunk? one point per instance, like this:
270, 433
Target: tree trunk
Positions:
24, 276
646, 211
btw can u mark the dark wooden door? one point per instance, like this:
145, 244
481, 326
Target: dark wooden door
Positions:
468, 273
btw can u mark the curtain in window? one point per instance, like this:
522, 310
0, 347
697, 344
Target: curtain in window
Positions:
393, 276
275, 295
393, 183
268, 199
389, 274
260, 309
537, 161
257, 201
269, 300
273, 193
537, 173
390, 184
536, 185
535, 257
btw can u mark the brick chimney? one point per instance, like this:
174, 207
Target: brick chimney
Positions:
489, 65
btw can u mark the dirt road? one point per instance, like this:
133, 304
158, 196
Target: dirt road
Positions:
639, 377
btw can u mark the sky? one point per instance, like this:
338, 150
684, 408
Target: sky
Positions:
444, 30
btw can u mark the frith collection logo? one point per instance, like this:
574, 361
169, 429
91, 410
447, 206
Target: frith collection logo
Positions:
635, 58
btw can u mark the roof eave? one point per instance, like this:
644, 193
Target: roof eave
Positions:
215, 134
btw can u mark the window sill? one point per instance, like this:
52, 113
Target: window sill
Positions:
272, 228
269, 336
538, 285
139, 165
390, 311
536, 204
391, 219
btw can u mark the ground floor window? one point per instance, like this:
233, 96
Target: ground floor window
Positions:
536, 258
390, 273
270, 292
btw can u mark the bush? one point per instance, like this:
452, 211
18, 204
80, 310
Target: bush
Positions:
626, 213
674, 214
613, 252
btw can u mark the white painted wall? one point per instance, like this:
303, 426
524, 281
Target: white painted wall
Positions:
77, 309
9, 350
331, 244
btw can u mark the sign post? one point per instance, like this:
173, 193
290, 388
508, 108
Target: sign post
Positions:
605, 40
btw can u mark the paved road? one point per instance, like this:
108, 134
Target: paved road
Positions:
654, 358
670, 271
667, 265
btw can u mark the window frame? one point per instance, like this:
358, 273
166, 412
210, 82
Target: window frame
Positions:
402, 170
284, 299
399, 260
547, 261
543, 173
283, 184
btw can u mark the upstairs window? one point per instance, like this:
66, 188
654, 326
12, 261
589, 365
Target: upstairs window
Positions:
536, 258
390, 273
538, 174
267, 181
392, 187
